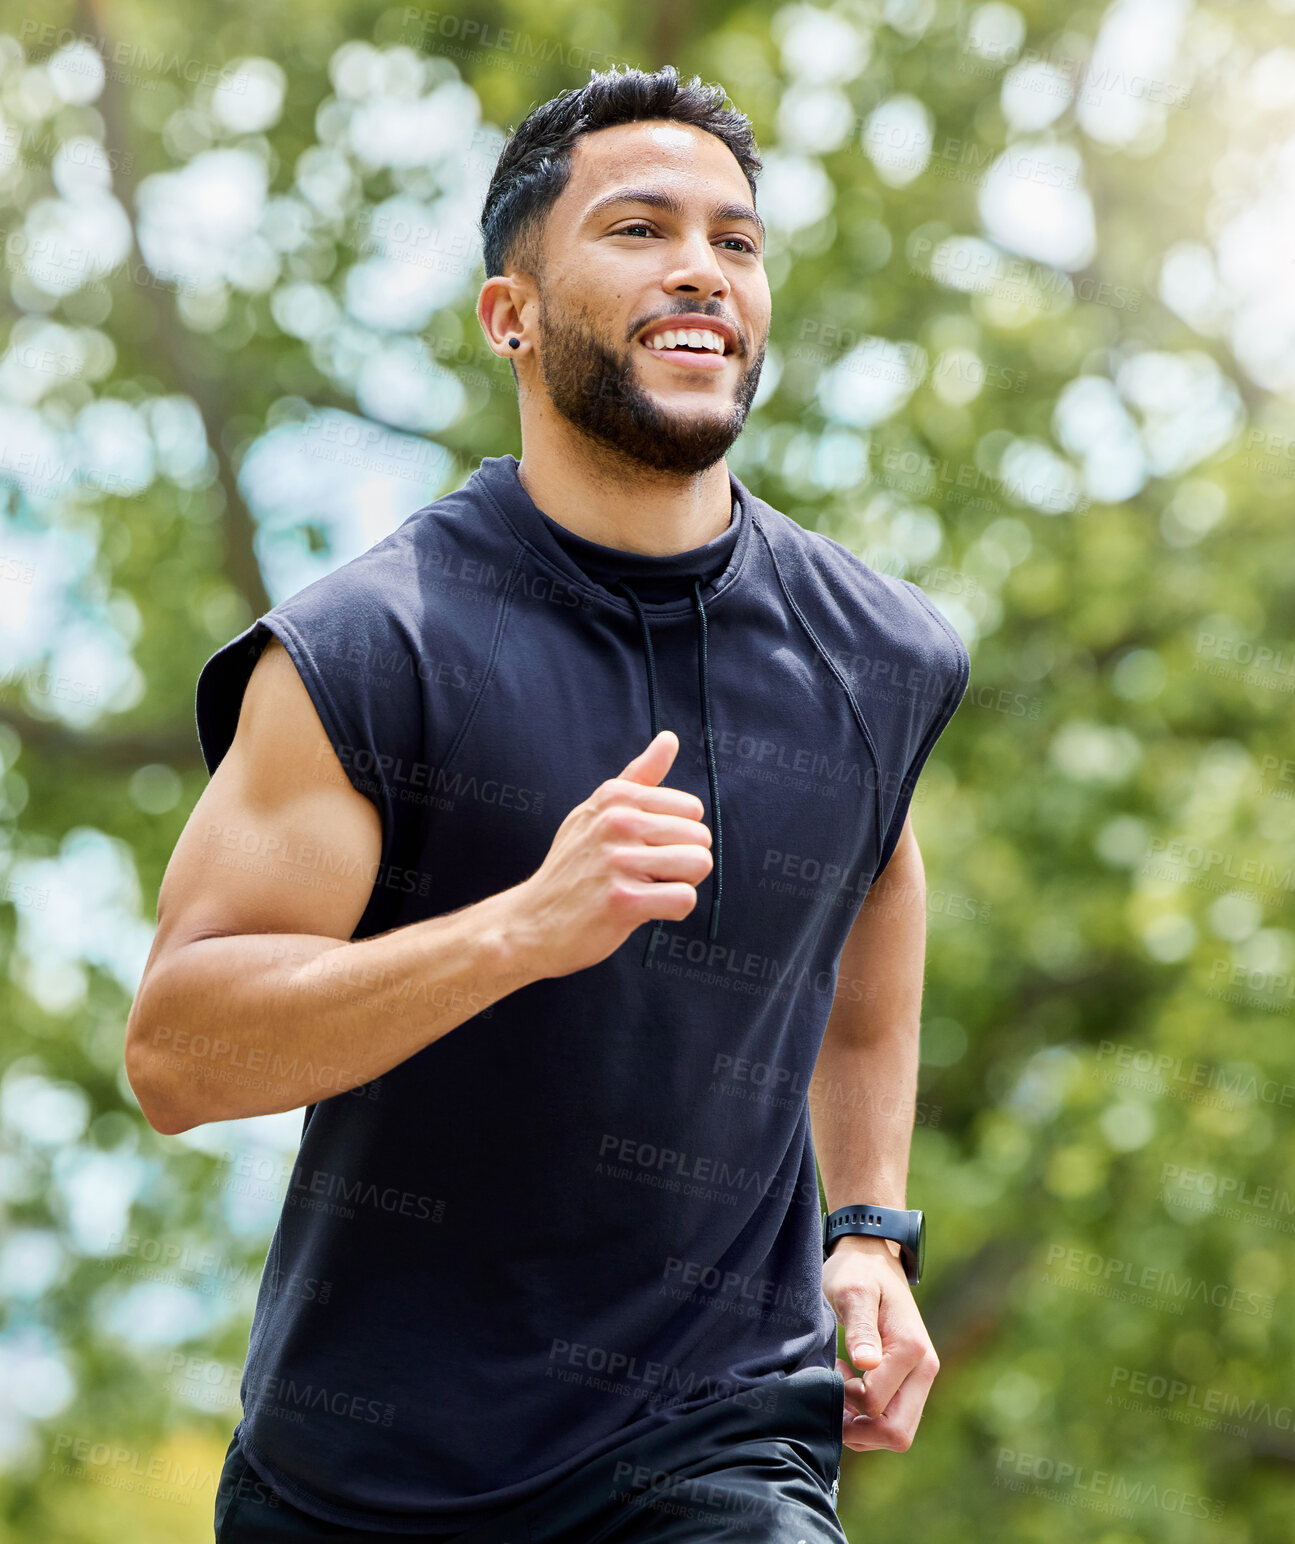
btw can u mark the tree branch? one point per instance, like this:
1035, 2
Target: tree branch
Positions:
176, 342
129, 749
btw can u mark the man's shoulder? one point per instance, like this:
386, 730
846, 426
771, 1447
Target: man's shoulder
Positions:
853, 597
443, 558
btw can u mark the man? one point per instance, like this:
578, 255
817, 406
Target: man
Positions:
550, 1265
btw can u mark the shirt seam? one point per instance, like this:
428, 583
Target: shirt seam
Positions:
487, 675
835, 671
959, 648
948, 707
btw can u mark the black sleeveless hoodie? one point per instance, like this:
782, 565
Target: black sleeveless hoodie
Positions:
593, 1206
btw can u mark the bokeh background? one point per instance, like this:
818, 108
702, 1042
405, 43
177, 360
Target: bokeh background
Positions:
1033, 347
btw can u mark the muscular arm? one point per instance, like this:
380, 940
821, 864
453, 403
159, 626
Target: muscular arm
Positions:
253, 1000
863, 1097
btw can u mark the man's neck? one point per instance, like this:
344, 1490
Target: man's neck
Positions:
625, 505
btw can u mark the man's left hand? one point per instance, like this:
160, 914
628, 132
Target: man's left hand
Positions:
886, 1341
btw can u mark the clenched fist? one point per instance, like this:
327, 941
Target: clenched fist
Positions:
631, 852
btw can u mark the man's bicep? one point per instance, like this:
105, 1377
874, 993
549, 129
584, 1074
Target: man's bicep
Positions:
280, 840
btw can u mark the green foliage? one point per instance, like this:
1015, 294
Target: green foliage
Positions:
1105, 1138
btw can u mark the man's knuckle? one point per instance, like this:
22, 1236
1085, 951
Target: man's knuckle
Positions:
618, 820
855, 1293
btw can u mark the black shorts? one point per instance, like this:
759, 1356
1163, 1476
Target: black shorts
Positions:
734, 1472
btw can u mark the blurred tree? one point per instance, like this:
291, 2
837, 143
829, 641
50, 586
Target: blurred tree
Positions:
1031, 347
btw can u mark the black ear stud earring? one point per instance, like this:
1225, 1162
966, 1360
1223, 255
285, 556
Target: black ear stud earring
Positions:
514, 342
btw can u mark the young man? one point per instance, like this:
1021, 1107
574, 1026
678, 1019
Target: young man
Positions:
550, 1266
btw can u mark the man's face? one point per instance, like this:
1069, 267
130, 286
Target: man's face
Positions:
620, 268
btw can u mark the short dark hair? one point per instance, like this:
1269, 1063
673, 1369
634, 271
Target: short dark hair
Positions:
535, 164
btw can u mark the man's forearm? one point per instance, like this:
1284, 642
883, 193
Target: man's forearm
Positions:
863, 1095
862, 1099
257, 1023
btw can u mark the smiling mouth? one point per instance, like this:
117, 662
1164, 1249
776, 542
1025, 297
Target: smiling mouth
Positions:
687, 341
704, 359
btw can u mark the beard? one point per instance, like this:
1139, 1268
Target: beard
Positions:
597, 389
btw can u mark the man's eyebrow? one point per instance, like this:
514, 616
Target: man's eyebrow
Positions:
667, 201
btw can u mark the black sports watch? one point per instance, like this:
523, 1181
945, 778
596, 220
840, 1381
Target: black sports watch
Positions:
907, 1229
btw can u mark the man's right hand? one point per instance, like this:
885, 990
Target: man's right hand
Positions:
631, 852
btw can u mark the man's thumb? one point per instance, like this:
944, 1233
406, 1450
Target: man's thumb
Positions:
863, 1342
652, 764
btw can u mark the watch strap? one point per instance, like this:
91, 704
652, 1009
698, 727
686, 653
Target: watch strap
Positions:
902, 1227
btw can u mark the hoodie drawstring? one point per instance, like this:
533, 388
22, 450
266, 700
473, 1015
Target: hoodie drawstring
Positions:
717, 873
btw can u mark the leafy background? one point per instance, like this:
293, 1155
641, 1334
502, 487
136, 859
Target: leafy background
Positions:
1033, 346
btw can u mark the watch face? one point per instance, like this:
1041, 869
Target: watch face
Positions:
921, 1242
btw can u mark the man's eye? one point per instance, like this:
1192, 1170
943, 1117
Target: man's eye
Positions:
745, 245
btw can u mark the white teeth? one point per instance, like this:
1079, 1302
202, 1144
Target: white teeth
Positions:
695, 337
